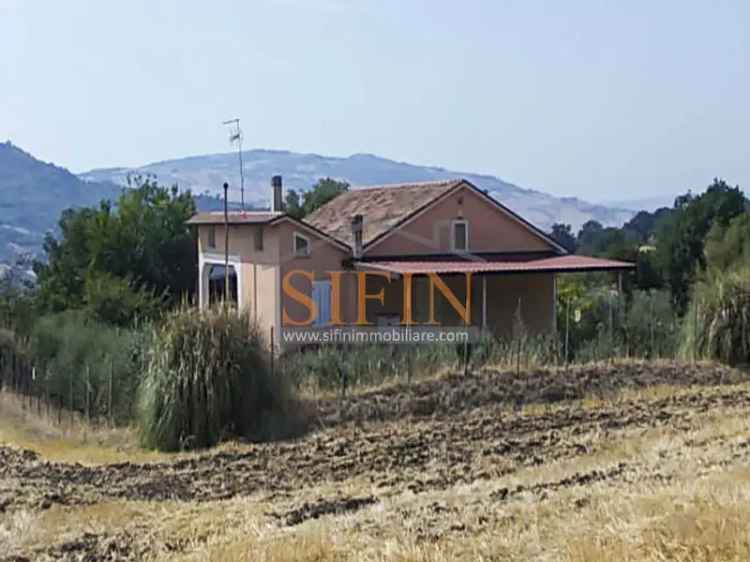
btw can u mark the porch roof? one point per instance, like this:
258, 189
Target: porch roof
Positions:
556, 264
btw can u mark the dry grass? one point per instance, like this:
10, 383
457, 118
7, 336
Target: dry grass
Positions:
72, 440
684, 494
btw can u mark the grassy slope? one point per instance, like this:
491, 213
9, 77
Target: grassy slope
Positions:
668, 481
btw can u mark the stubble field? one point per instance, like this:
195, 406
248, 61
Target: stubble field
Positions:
624, 461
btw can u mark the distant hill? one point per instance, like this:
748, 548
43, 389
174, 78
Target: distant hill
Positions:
32, 196
206, 174
34, 193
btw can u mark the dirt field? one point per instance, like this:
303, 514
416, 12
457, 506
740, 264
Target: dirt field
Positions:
629, 461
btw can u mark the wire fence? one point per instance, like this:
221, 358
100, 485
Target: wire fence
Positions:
75, 376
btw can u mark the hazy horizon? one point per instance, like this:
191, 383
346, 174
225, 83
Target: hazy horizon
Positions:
605, 103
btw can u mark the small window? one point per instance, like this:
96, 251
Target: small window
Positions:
460, 240
259, 238
301, 245
212, 236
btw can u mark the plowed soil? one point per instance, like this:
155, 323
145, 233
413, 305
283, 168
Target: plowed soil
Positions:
422, 438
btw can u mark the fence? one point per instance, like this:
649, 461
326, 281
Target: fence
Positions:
83, 400
75, 374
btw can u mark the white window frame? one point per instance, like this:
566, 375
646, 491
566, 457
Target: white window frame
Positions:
294, 246
453, 235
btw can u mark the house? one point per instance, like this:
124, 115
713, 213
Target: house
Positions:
375, 255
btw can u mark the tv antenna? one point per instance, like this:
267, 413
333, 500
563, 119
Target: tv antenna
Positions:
235, 136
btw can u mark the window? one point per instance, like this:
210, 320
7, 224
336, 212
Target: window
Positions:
259, 238
301, 245
212, 236
321, 296
460, 238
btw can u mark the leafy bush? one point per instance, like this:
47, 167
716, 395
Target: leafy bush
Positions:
207, 377
118, 301
81, 361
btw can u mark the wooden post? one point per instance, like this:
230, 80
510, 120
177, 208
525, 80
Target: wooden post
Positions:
70, 400
272, 352
88, 394
519, 336
109, 393
484, 302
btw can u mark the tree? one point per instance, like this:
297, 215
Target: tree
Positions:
729, 246
138, 249
681, 237
563, 235
292, 203
320, 194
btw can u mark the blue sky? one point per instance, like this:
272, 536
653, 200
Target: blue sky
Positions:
603, 100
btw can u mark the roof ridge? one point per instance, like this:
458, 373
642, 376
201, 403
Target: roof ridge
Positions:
356, 188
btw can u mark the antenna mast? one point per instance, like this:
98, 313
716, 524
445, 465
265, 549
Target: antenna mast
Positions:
235, 135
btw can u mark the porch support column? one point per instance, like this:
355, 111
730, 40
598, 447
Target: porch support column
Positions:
484, 301
203, 293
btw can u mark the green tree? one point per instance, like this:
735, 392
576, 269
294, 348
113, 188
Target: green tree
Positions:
320, 194
124, 253
681, 237
563, 235
729, 246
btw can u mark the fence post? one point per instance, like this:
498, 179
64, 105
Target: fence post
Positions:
88, 394
70, 399
466, 357
695, 332
272, 353
109, 393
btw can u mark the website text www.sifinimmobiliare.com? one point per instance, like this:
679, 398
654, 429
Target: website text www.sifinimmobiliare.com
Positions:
379, 335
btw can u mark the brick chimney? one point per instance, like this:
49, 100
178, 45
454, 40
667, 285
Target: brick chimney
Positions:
277, 199
357, 221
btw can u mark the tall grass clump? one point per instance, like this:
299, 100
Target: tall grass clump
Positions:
717, 323
207, 377
347, 367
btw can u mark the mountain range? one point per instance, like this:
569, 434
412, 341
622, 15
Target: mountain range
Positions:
32, 196
206, 174
34, 193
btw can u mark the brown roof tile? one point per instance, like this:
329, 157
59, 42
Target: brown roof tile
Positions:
383, 208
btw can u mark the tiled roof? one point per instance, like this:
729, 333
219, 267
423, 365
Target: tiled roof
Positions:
234, 217
569, 263
383, 208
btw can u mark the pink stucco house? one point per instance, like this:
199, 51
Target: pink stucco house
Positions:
396, 234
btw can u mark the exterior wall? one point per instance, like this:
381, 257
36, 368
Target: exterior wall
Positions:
535, 292
490, 230
251, 265
261, 272
324, 258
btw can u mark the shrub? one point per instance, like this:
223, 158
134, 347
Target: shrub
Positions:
207, 377
81, 361
650, 325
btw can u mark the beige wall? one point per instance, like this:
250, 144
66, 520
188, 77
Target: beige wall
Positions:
490, 230
535, 292
262, 271
324, 258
